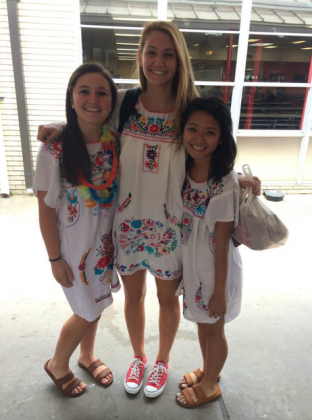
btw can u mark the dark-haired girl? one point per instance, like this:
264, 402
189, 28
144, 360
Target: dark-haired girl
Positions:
76, 186
212, 268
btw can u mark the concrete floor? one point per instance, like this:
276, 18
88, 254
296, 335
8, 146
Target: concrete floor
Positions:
268, 371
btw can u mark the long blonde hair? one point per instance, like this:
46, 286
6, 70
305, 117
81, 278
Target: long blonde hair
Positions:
183, 83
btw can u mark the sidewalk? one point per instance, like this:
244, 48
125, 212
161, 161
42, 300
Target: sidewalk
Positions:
268, 371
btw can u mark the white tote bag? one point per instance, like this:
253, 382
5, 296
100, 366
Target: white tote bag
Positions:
258, 227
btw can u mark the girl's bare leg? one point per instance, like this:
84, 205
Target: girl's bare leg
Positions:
71, 335
203, 342
215, 357
169, 316
204, 348
135, 291
87, 352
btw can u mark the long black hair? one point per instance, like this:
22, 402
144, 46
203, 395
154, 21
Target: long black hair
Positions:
223, 158
76, 161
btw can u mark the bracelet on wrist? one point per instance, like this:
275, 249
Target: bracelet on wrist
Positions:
56, 259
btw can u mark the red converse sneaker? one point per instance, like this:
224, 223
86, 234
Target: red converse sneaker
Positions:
134, 378
157, 380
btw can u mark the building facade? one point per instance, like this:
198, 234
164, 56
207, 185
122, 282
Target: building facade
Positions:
254, 55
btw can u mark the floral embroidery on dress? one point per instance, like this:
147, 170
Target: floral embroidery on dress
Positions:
100, 210
148, 235
106, 253
187, 220
184, 300
131, 269
212, 242
82, 268
154, 127
199, 299
172, 219
104, 265
162, 274
72, 206
197, 200
99, 299
125, 204
216, 188
101, 161
54, 147
151, 157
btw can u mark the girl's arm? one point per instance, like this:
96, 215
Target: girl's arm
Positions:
217, 302
50, 131
48, 226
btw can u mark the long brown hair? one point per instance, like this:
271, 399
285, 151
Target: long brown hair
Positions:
76, 161
183, 85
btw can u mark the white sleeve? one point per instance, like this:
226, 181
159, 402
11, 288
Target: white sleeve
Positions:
115, 116
224, 207
47, 177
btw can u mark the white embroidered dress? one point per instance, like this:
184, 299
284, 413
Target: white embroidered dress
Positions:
148, 219
204, 205
85, 229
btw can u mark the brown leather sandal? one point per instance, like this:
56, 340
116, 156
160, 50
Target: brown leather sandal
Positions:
61, 381
190, 382
202, 399
99, 376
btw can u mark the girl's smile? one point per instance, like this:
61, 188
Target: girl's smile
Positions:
201, 136
159, 58
91, 99
198, 147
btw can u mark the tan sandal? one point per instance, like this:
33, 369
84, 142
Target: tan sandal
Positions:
61, 381
100, 375
190, 382
202, 399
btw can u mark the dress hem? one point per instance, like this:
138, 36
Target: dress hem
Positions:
226, 319
145, 268
101, 310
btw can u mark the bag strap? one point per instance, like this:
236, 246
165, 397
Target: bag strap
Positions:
128, 106
248, 191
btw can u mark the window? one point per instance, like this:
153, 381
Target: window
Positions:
221, 92
276, 108
213, 55
281, 58
116, 49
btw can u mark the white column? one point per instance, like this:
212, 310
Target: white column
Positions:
306, 129
4, 178
241, 63
77, 22
162, 10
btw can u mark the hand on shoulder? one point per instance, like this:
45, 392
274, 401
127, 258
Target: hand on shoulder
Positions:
49, 132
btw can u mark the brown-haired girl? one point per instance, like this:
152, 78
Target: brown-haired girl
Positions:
76, 186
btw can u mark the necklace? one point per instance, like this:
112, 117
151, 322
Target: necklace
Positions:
105, 193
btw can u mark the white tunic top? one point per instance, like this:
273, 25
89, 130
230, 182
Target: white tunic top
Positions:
85, 229
148, 219
204, 205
